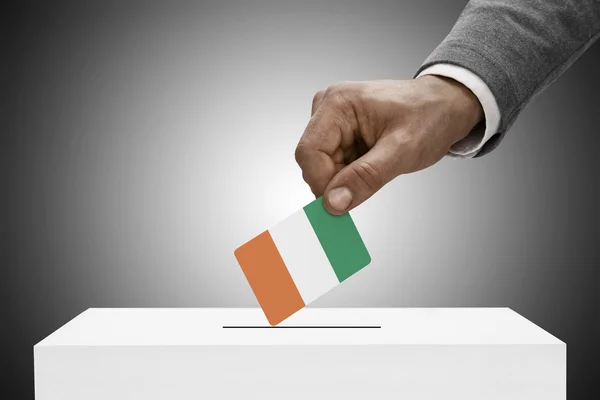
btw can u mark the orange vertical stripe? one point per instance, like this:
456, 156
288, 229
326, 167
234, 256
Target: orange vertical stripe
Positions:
269, 278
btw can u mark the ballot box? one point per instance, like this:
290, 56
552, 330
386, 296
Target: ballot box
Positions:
318, 353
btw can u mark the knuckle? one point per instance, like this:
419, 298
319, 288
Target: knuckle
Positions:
368, 174
410, 152
317, 97
340, 95
335, 89
342, 86
400, 143
300, 153
338, 100
305, 177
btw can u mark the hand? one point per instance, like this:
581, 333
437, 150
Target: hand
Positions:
364, 134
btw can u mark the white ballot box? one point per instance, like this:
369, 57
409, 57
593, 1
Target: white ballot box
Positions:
318, 353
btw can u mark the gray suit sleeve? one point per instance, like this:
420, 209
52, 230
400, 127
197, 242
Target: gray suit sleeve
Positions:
518, 48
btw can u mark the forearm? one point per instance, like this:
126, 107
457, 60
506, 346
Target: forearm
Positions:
518, 47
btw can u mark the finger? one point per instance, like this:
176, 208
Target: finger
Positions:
314, 153
364, 177
318, 152
317, 168
316, 102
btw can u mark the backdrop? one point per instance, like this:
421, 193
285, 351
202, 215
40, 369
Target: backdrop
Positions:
143, 142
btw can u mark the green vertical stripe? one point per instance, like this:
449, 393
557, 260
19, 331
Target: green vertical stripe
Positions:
339, 238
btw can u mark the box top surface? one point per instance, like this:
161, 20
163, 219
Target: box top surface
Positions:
311, 326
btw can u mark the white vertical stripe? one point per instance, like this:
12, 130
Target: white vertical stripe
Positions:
304, 257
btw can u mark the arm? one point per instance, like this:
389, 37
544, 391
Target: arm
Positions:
362, 135
517, 48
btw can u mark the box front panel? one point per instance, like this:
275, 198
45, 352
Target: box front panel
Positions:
417, 372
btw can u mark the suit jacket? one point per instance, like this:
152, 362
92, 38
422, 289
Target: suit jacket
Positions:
518, 48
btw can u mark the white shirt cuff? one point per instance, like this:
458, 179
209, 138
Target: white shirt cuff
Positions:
470, 146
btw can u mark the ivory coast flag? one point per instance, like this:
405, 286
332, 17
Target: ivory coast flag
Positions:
300, 259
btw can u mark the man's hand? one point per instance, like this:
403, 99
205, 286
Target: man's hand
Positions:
364, 134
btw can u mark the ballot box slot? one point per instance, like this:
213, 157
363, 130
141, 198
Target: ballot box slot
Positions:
302, 327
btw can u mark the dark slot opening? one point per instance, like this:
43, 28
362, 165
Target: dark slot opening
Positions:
302, 327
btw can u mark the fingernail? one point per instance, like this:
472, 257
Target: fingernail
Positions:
340, 198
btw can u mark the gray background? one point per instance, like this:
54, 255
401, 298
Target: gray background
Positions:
142, 143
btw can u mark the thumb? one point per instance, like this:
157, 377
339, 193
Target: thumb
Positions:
358, 181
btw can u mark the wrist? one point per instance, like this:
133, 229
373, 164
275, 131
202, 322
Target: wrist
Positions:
461, 102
